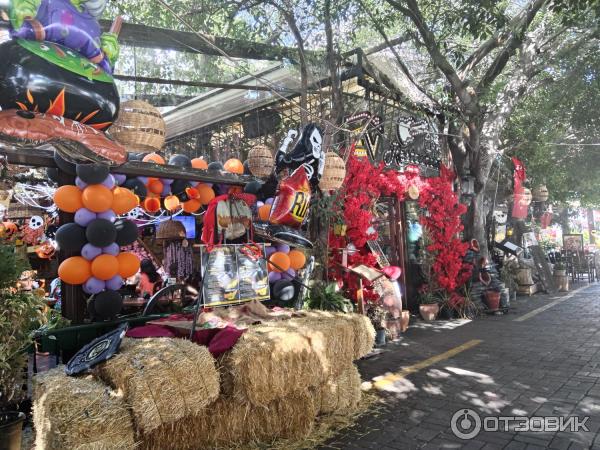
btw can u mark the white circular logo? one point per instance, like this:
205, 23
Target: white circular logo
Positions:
465, 424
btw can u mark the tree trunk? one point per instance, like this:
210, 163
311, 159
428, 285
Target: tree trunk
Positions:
591, 225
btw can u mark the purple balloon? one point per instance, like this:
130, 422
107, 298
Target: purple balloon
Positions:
109, 181
269, 201
93, 286
84, 216
114, 283
119, 178
109, 214
291, 274
274, 276
80, 183
259, 204
167, 180
89, 251
166, 190
209, 184
143, 179
270, 250
112, 249
283, 248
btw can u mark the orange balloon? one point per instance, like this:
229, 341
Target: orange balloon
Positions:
124, 200
97, 198
75, 270
264, 212
297, 259
199, 163
68, 198
282, 261
155, 185
151, 205
104, 267
154, 157
192, 192
128, 264
234, 165
192, 205
206, 193
172, 202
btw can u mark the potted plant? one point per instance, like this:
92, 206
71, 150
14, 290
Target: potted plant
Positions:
428, 304
560, 269
328, 298
21, 313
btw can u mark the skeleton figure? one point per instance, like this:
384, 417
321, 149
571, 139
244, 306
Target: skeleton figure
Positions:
308, 152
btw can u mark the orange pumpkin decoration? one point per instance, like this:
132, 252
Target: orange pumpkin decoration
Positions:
154, 158
279, 262
192, 193
75, 270
10, 229
97, 198
199, 163
234, 165
104, 267
297, 259
68, 198
128, 264
192, 205
206, 193
124, 200
155, 185
151, 204
264, 212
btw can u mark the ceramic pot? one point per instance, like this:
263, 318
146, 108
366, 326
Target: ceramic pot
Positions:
492, 300
11, 424
429, 311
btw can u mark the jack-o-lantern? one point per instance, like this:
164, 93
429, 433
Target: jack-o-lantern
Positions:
45, 251
10, 229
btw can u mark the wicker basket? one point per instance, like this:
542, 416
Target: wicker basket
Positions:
139, 127
334, 172
170, 229
261, 161
540, 193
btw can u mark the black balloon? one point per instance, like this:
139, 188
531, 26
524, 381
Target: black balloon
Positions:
135, 156
101, 232
180, 160
253, 187
92, 173
178, 188
22, 71
247, 170
127, 232
215, 166
107, 304
137, 187
63, 164
52, 173
70, 237
90, 308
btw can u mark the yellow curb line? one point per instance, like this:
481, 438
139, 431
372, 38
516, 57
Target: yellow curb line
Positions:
390, 378
536, 311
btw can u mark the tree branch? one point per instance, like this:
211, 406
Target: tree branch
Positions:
332, 60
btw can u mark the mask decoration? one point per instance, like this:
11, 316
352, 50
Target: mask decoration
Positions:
308, 152
500, 216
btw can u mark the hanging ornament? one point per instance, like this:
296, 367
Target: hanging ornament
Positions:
139, 127
261, 161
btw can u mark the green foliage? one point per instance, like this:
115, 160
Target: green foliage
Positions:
326, 298
20, 315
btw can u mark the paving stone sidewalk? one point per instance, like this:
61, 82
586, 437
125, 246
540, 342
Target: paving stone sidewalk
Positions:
545, 365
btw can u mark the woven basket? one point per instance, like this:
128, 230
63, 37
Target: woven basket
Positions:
334, 172
170, 229
261, 161
540, 193
139, 127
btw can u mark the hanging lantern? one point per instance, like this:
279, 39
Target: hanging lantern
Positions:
334, 172
540, 193
139, 127
261, 161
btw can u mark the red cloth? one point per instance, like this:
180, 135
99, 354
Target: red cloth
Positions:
224, 340
149, 330
519, 210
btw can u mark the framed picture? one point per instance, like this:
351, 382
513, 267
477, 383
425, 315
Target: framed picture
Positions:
573, 243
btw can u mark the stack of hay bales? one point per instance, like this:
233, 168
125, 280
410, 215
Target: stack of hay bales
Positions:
163, 381
272, 385
79, 414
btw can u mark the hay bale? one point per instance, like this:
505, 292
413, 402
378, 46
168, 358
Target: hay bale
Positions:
79, 413
163, 380
230, 423
269, 362
340, 395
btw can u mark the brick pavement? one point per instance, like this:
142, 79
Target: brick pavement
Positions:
548, 364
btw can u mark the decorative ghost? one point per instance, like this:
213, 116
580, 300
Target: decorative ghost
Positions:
307, 152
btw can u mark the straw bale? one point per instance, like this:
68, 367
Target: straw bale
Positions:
340, 395
163, 380
230, 423
79, 413
269, 362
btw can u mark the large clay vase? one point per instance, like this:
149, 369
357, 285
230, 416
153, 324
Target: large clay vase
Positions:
492, 300
11, 425
429, 311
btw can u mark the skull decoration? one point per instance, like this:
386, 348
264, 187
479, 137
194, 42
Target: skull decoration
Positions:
36, 222
500, 216
134, 214
308, 152
33, 230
